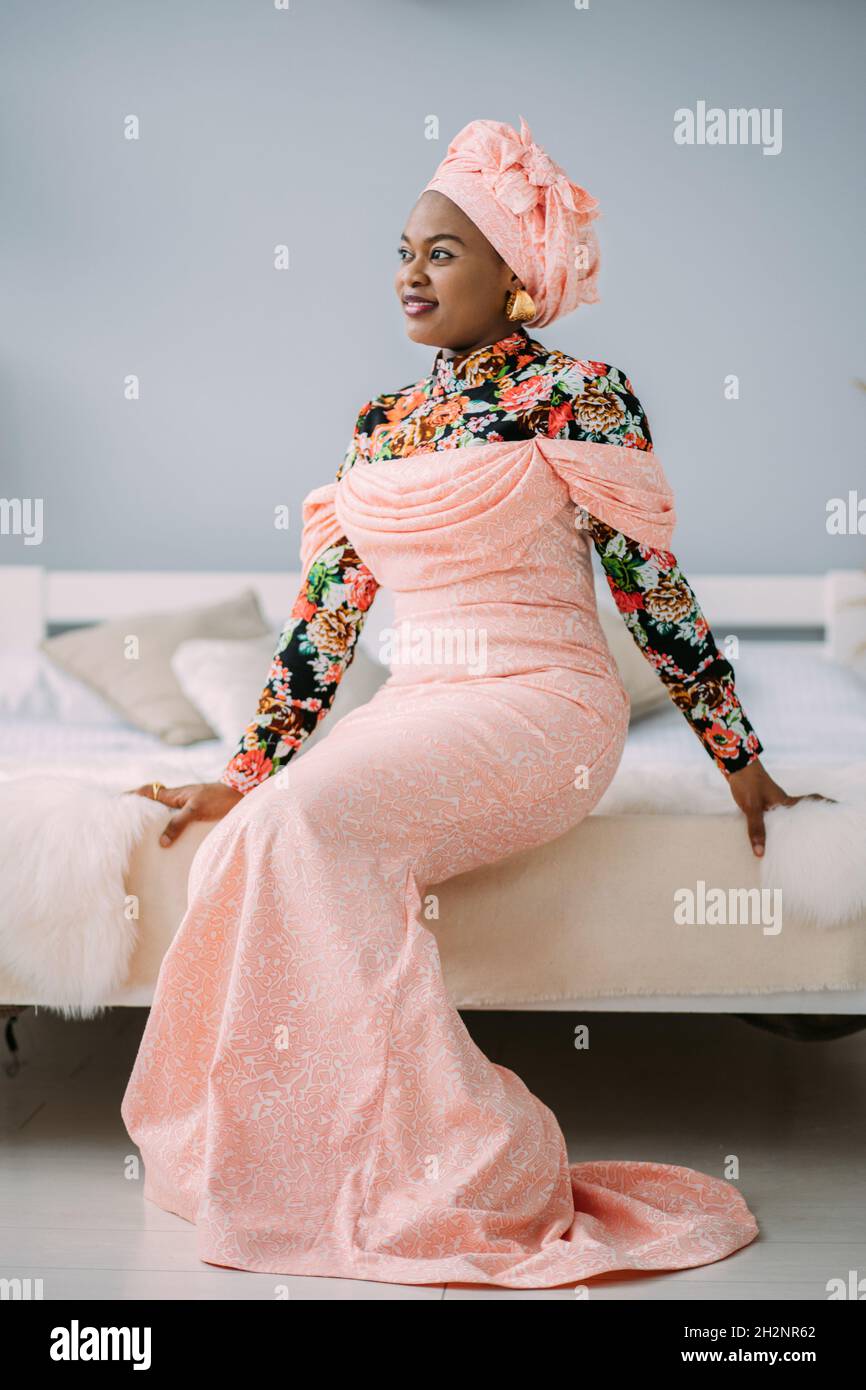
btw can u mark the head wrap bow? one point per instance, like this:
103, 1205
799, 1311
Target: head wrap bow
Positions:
529, 211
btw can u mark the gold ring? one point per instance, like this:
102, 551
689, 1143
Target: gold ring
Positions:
156, 786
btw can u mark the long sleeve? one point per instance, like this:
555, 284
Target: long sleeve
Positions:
314, 651
663, 616
653, 595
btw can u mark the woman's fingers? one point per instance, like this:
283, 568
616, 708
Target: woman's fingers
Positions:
757, 832
176, 797
807, 796
175, 825
755, 817
169, 796
756, 793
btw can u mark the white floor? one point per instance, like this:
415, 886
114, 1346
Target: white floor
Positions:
670, 1088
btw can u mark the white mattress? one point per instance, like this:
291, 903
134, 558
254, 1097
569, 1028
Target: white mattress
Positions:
803, 707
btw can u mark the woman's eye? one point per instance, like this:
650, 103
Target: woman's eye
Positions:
403, 252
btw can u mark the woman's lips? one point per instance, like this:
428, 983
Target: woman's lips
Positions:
418, 306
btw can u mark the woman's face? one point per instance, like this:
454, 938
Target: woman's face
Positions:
447, 262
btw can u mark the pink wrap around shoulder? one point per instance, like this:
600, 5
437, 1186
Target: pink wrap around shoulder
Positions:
467, 499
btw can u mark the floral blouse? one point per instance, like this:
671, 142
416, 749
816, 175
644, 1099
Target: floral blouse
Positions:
509, 390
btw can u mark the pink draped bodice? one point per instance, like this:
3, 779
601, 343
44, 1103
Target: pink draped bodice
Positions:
486, 539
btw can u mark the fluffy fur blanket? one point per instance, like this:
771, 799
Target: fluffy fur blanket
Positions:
67, 930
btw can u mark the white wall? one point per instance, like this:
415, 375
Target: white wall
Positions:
261, 126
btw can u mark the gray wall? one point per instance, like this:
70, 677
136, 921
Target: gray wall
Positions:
260, 126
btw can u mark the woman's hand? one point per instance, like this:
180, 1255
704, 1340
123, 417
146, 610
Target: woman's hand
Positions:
755, 792
198, 801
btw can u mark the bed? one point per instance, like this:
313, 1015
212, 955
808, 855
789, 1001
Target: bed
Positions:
585, 922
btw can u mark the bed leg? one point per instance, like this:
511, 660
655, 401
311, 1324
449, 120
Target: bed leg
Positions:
10, 1013
807, 1027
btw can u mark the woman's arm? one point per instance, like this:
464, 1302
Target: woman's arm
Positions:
663, 616
658, 604
314, 651
651, 592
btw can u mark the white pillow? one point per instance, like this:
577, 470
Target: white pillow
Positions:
224, 680
33, 687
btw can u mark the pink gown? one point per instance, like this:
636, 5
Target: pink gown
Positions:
305, 1092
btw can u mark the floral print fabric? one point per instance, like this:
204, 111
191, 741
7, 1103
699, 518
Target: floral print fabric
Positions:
510, 390
314, 650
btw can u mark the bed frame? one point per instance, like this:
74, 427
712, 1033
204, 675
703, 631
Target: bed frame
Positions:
35, 601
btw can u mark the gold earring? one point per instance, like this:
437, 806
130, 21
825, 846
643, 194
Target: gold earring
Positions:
520, 305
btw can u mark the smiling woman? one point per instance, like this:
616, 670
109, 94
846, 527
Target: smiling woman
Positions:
305, 1091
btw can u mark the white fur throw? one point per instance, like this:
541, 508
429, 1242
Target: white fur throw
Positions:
816, 854
66, 931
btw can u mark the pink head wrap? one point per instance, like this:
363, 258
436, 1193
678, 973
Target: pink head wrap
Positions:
529, 211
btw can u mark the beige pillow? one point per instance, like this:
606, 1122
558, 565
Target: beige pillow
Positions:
224, 681
144, 688
640, 679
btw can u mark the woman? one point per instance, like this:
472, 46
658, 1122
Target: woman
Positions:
304, 1091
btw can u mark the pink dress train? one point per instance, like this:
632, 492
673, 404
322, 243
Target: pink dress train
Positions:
305, 1092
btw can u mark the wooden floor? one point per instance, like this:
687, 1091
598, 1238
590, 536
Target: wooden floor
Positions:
683, 1089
